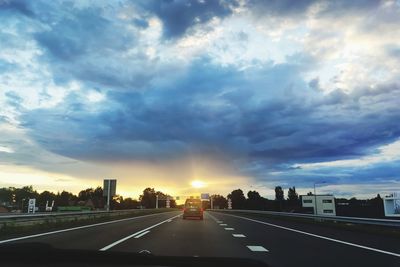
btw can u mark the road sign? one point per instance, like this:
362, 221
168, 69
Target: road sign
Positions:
109, 190
31, 205
112, 183
229, 204
205, 196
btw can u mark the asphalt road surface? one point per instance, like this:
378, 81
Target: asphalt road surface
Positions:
274, 241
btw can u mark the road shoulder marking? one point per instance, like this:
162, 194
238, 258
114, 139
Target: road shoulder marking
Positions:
319, 236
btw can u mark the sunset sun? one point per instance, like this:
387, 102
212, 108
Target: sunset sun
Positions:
198, 184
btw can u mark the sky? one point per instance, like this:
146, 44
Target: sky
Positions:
243, 94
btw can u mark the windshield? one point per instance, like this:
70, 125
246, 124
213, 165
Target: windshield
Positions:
265, 130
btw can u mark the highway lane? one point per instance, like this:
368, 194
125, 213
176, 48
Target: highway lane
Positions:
288, 248
190, 237
221, 234
99, 236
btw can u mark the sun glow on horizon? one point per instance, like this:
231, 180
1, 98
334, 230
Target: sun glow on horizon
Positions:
198, 184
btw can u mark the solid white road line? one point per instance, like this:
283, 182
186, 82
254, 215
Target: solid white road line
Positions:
257, 248
142, 234
76, 228
319, 236
229, 229
238, 235
137, 233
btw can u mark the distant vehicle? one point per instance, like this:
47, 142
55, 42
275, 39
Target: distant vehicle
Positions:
193, 208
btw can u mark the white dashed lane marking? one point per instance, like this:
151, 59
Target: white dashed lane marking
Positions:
238, 235
142, 234
229, 229
223, 224
257, 248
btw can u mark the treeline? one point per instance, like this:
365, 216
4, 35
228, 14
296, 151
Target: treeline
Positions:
12, 198
292, 203
254, 201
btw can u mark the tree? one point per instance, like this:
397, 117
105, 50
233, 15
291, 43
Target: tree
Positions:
279, 198
255, 201
44, 197
292, 195
6, 196
65, 199
148, 198
129, 203
238, 199
95, 195
279, 194
219, 202
23, 194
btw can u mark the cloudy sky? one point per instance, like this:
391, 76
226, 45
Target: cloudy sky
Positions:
239, 94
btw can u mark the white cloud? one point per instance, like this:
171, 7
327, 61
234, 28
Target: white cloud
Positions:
6, 149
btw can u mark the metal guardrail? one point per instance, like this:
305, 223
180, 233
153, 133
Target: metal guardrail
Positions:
45, 214
355, 220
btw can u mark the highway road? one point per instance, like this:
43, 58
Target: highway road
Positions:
275, 241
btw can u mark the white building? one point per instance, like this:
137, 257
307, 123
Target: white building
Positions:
325, 204
391, 204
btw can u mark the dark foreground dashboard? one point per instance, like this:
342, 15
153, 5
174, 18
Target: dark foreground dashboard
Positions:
34, 254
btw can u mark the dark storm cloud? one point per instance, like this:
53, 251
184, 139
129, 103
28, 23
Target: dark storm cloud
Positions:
224, 110
179, 15
266, 117
19, 6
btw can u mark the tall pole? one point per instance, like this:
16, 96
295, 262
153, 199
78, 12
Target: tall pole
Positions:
156, 201
211, 202
315, 197
108, 194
